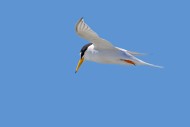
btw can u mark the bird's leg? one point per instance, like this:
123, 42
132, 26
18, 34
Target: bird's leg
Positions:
129, 62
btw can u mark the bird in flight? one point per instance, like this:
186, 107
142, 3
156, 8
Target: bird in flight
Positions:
102, 51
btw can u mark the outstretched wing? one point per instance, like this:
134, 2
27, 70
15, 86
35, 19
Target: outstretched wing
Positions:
84, 31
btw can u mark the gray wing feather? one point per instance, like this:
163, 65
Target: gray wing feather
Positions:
84, 31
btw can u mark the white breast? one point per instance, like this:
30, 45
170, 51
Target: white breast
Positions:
102, 56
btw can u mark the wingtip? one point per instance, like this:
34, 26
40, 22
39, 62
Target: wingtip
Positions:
136, 53
81, 19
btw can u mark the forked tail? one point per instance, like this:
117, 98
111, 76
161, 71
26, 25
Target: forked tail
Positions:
140, 62
152, 65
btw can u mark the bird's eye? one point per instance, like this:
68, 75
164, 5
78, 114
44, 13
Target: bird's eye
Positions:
81, 54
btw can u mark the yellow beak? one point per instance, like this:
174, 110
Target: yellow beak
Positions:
79, 64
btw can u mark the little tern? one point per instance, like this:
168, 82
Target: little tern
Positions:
102, 51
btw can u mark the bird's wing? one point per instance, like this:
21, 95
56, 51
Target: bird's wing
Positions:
84, 31
136, 53
131, 52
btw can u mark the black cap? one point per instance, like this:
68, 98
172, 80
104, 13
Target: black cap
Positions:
84, 48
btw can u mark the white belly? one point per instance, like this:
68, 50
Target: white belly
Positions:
103, 56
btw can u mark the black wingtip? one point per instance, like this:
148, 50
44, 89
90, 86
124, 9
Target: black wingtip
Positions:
76, 29
81, 19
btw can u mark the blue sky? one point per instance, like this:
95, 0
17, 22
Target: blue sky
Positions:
39, 51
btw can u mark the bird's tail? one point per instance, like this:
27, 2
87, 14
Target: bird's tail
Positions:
140, 62
152, 65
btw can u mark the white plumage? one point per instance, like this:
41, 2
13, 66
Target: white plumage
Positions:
102, 51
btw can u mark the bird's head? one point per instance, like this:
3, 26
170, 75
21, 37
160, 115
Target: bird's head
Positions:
82, 53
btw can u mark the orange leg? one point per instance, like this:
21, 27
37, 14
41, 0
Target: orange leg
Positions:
129, 62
